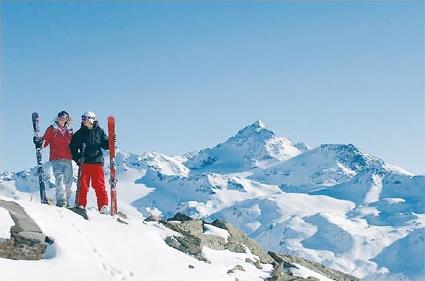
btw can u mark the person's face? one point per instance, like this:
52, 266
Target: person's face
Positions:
88, 121
62, 120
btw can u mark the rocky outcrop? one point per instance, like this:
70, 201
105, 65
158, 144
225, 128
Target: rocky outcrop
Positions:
282, 272
27, 241
237, 242
192, 236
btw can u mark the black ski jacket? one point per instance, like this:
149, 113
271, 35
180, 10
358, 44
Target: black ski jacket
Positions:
94, 139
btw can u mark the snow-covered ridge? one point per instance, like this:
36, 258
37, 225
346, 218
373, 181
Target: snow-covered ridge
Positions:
327, 164
164, 164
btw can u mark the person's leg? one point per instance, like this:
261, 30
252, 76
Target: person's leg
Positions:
98, 182
84, 185
68, 179
59, 173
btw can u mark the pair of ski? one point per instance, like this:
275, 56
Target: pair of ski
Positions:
112, 170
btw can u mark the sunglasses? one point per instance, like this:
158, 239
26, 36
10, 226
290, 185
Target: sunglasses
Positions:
87, 118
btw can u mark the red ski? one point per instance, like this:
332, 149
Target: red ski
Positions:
112, 178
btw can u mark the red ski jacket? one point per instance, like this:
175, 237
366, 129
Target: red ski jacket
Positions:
59, 141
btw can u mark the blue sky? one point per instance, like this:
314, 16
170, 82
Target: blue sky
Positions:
184, 76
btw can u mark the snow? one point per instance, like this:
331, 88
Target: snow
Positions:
304, 272
165, 164
399, 256
332, 204
328, 164
104, 249
226, 260
249, 148
397, 169
375, 191
212, 230
6, 223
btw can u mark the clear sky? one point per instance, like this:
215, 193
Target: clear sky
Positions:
181, 76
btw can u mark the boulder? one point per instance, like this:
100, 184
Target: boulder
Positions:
27, 241
192, 238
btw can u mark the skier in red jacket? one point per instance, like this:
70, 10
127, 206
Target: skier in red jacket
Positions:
58, 136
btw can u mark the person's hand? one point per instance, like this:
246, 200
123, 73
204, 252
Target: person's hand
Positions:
80, 160
38, 141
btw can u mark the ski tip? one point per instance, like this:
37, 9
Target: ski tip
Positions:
34, 116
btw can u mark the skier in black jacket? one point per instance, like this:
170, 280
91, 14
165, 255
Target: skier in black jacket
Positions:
94, 139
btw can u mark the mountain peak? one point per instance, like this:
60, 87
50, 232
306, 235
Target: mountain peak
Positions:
254, 129
251, 147
258, 124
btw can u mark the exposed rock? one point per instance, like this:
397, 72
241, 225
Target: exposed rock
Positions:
193, 227
214, 242
49, 240
257, 263
192, 238
153, 218
121, 220
186, 243
27, 241
286, 262
279, 275
122, 215
237, 267
180, 217
281, 260
237, 240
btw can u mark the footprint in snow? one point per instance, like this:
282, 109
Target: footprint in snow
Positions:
108, 268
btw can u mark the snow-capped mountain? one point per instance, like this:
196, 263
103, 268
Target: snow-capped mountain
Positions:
328, 164
332, 204
251, 147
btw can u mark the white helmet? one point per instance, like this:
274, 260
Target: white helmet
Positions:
89, 115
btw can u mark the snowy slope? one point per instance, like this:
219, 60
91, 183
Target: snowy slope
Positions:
412, 245
104, 249
333, 204
197, 195
318, 228
379, 187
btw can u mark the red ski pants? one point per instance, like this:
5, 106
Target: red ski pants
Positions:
93, 173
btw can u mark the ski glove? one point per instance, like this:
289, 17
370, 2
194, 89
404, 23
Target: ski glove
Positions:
38, 141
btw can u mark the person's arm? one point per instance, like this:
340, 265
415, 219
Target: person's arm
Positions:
38, 141
48, 136
74, 146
